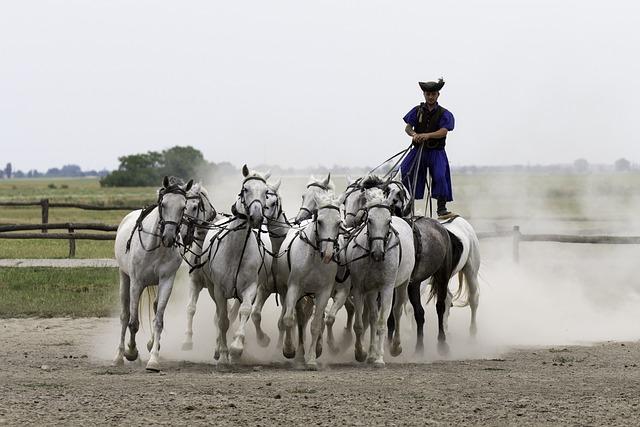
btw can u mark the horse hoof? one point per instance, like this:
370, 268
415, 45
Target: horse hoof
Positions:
264, 341
378, 364
153, 366
395, 350
117, 362
289, 354
361, 356
312, 365
131, 354
235, 351
443, 348
187, 346
216, 355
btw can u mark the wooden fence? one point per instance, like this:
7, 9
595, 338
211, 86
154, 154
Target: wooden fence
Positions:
9, 232
45, 205
518, 237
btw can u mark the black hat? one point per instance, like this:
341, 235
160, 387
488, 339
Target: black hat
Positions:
431, 86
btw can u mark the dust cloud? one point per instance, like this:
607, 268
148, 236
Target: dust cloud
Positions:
558, 294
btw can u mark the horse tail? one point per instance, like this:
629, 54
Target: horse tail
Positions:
463, 285
146, 299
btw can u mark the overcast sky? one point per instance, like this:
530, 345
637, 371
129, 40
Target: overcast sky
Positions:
306, 83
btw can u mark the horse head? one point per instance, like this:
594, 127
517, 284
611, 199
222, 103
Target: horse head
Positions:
378, 213
273, 206
172, 199
253, 195
314, 186
328, 222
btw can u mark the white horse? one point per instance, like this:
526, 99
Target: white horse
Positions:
468, 262
318, 187
381, 257
147, 255
237, 262
306, 260
277, 228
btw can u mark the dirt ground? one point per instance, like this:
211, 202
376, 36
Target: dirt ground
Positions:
50, 375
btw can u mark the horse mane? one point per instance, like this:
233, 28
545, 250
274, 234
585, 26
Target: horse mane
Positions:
256, 174
371, 181
374, 196
327, 199
320, 181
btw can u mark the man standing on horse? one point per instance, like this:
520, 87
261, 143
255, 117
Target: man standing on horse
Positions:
428, 125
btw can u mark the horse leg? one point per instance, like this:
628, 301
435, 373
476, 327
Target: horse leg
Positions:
441, 282
304, 308
256, 316
288, 320
316, 327
233, 309
131, 353
418, 314
248, 296
391, 321
474, 297
386, 299
164, 292
222, 319
124, 316
195, 287
340, 299
281, 327
155, 310
358, 327
400, 298
371, 300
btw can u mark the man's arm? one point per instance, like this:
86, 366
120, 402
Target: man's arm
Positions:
409, 130
422, 137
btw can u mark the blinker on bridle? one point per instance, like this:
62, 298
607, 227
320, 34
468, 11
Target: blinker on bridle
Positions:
172, 189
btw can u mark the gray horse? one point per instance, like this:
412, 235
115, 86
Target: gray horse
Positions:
147, 255
306, 261
381, 257
236, 262
434, 255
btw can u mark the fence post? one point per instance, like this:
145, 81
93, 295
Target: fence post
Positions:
516, 243
72, 243
44, 203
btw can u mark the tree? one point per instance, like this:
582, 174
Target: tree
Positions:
622, 165
183, 162
7, 170
136, 170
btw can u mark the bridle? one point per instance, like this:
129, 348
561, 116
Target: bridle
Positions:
172, 189
247, 207
402, 194
353, 188
385, 238
194, 222
313, 184
317, 236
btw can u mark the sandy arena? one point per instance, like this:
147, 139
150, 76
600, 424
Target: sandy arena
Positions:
50, 376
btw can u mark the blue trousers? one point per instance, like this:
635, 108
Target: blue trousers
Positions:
437, 163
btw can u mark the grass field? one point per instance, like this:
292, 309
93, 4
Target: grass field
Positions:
55, 292
600, 203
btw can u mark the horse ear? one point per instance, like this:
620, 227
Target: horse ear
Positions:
189, 185
165, 181
245, 171
276, 185
396, 176
325, 183
267, 175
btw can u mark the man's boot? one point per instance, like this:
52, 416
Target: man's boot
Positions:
442, 208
